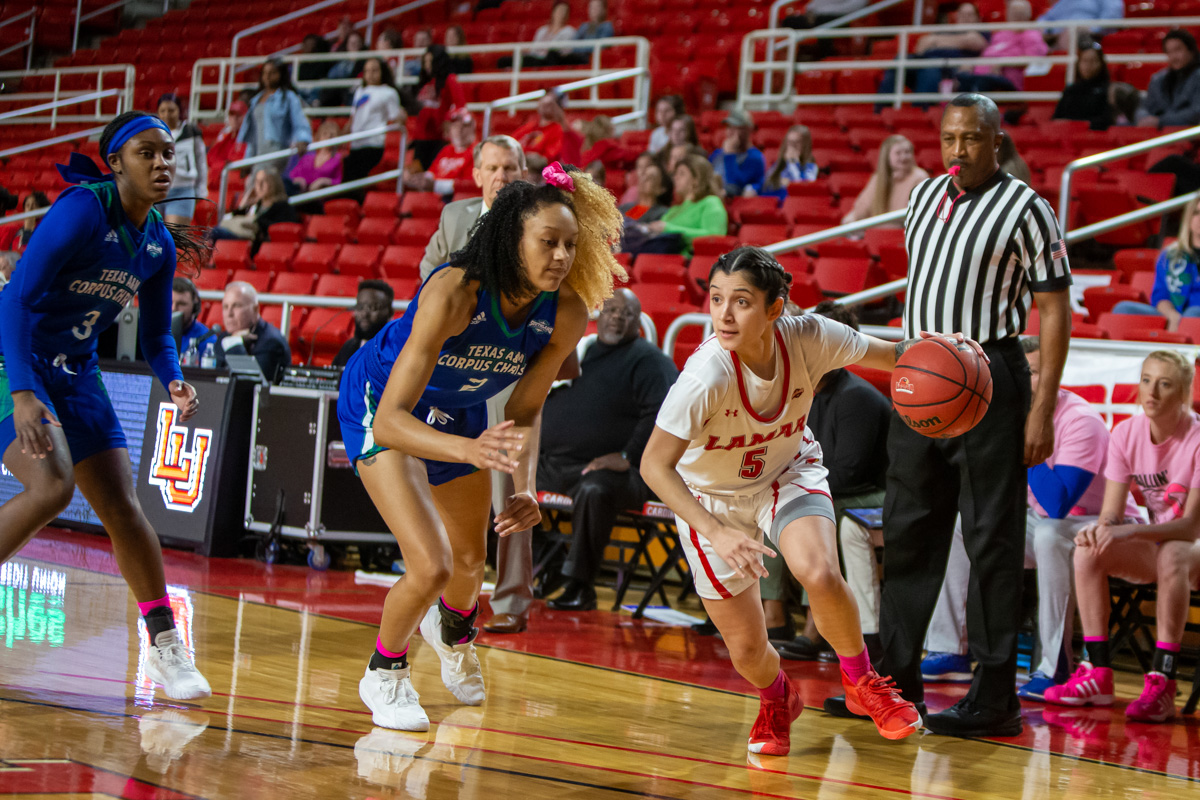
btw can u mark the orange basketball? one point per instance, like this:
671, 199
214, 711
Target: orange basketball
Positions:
940, 389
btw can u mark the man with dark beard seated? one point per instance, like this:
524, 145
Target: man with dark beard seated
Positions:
371, 313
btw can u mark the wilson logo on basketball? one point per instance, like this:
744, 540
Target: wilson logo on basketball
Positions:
904, 385
177, 470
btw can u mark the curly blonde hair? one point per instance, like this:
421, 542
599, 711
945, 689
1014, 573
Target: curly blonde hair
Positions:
600, 226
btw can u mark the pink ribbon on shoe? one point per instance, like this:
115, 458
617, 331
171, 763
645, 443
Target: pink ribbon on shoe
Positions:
555, 175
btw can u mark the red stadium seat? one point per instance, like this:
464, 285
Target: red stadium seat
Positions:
401, 262
1101, 299
328, 230
740, 206
876, 238
381, 204
1130, 326
231, 254
405, 288
323, 333
806, 291
212, 280
711, 247
762, 235
839, 276
843, 248
294, 283
1085, 331
361, 260
261, 281
286, 232
1136, 259
343, 207
416, 232
1167, 337
377, 230
1190, 326
316, 257
337, 286
660, 268
421, 204
276, 256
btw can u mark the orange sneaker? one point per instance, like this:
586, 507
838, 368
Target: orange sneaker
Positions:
878, 698
771, 734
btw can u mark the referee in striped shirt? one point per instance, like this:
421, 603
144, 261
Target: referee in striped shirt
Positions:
979, 243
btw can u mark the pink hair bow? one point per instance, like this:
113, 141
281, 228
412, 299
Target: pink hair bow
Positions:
555, 175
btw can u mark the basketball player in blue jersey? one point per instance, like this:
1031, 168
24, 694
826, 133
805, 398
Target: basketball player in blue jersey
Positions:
509, 307
100, 245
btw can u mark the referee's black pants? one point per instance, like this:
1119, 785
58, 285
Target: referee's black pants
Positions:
981, 475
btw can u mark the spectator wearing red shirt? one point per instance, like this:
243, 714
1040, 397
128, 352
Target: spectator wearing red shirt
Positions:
600, 144
438, 94
548, 135
227, 148
15, 237
455, 162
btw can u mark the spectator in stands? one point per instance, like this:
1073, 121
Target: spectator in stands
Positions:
422, 38
320, 167
1075, 10
341, 35
683, 131
275, 119
666, 110
247, 333
558, 29
597, 26
185, 308
1174, 94
456, 161
676, 153
1011, 161
934, 46
372, 310
1004, 44
895, 176
737, 162
462, 63
818, 12
699, 211
654, 190
1159, 451
1176, 292
795, 164
191, 163
593, 434
438, 94
266, 204
499, 160
849, 418
376, 104
548, 134
389, 39
1088, 98
342, 70
312, 70
13, 238
227, 148
639, 166
600, 143
598, 171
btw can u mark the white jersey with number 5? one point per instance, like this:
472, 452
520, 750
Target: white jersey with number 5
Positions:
745, 431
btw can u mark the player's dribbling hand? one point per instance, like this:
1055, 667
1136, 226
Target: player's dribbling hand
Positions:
959, 338
496, 448
183, 395
739, 551
28, 415
520, 513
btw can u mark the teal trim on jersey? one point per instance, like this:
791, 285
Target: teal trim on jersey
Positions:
6, 401
110, 201
503, 323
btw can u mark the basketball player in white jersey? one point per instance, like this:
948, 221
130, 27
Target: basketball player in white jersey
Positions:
732, 456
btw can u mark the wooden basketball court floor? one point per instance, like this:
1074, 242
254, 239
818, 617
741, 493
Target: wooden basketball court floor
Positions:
590, 705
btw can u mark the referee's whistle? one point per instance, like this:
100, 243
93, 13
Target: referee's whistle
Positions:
954, 170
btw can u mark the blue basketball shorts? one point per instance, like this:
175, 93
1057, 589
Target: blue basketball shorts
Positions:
75, 393
358, 401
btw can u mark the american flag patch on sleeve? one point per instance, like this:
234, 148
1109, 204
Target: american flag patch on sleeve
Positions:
1058, 250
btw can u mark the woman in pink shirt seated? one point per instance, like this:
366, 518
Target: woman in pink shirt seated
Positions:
318, 168
1160, 452
1003, 44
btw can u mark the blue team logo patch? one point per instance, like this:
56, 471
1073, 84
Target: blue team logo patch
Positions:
154, 249
541, 326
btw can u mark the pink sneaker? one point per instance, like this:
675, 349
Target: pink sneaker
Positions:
1157, 701
1089, 686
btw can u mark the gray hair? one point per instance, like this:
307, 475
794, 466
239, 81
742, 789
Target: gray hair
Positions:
242, 287
984, 105
502, 140
1031, 344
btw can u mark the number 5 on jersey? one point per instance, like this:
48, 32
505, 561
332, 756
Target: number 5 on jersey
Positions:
752, 463
85, 330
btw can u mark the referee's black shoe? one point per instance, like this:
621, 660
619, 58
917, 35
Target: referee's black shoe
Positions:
966, 719
836, 707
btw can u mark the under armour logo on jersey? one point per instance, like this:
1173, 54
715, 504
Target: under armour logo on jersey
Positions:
111, 236
154, 249
731, 412
478, 318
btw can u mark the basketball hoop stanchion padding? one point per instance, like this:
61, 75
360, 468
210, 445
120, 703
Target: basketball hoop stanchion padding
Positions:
941, 389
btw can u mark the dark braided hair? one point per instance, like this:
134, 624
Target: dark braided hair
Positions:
492, 254
761, 270
193, 243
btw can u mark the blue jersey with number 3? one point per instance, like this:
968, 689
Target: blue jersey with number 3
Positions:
84, 263
472, 366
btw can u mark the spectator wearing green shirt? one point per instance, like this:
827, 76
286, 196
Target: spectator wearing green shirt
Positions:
698, 211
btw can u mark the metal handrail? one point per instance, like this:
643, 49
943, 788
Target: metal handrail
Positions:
56, 104
1064, 193
80, 17
38, 145
28, 42
126, 71
586, 83
846, 19
286, 152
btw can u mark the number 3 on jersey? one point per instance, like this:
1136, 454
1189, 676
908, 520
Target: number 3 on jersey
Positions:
752, 463
85, 330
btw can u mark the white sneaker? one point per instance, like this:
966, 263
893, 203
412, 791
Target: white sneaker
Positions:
393, 701
460, 665
166, 733
385, 756
170, 665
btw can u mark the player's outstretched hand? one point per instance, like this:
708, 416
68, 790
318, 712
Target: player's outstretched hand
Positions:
959, 338
520, 513
28, 415
496, 448
183, 395
740, 551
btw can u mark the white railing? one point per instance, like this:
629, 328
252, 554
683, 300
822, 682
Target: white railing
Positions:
205, 98
41, 143
63, 97
641, 98
14, 116
81, 18
30, 35
846, 19
777, 63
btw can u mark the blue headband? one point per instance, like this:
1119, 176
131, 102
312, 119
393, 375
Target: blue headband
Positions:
81, 169
131, 129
